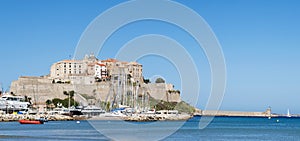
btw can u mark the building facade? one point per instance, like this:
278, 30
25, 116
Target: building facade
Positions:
73, 71
115, 67
135, 70
100, 71
68, 70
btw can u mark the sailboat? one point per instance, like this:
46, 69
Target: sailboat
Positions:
288, 113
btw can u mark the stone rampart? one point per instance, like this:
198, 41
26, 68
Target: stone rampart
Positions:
41, 89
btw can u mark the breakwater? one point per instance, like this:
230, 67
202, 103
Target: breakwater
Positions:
16, 117
155, 117
267, 113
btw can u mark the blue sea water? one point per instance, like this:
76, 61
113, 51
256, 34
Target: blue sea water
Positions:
220, 129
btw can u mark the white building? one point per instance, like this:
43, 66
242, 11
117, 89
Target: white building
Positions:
100, 71
72, 70
84, 71
66, 68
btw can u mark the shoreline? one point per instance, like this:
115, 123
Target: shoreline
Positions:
11, 118
146, 117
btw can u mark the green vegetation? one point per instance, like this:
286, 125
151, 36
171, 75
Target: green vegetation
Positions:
63, 102
182, 106
147, 81
48, 102
160, 80
107, 106
71, 93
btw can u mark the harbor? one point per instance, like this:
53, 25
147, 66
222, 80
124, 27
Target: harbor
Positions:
16, 108
93, 89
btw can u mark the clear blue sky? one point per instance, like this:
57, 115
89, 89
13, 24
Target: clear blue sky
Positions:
260, 40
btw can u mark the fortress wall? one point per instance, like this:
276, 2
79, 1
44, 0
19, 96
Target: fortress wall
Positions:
41, 89
160, 91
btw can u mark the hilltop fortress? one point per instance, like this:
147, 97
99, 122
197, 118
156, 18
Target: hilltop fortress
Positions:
92, 80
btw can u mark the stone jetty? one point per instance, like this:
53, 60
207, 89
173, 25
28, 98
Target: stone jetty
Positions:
267, 113
156, 117
16, 117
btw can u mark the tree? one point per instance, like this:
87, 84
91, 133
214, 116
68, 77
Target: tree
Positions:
56, 100
65, 93
107, 106
71, 93
146, 81
48, 103
159, 80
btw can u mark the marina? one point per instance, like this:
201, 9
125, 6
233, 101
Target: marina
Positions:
150, 70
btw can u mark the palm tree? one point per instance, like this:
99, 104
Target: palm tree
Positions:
70, 94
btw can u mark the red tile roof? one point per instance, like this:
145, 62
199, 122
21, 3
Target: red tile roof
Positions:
110, 60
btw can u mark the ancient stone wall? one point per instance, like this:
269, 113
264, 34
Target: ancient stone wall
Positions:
41, 89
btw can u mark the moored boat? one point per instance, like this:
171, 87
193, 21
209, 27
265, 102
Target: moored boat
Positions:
25, 121
10, 102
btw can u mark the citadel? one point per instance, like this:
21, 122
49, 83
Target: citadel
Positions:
93, 81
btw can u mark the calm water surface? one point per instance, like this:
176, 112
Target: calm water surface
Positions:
222, 128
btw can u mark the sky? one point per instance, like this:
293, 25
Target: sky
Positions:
260, 42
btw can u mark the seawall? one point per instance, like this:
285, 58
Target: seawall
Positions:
266, 113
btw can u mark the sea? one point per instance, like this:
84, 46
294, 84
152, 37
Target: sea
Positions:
220, 129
